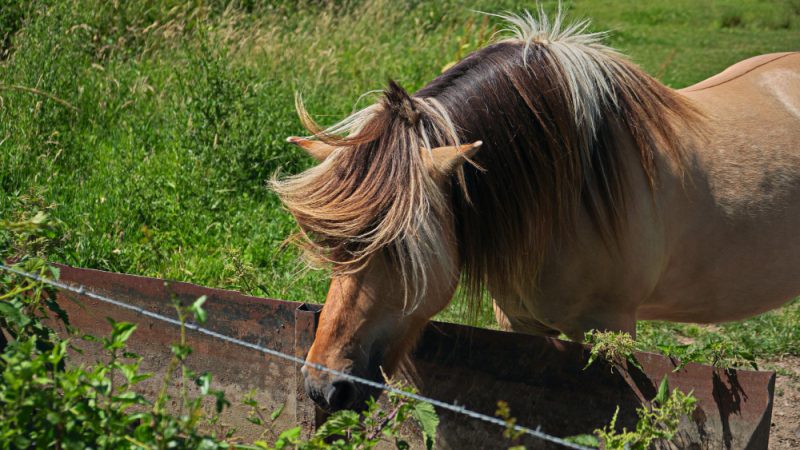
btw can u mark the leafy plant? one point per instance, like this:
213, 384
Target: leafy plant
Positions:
721, 353
350, 430
658, 422
658, 419
511, 434
46, 402
614, 347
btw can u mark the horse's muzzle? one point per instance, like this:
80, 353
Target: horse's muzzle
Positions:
335, 396
334, 393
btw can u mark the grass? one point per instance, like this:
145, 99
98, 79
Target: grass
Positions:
148, 129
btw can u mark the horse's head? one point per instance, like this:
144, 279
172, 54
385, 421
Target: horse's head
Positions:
376, 211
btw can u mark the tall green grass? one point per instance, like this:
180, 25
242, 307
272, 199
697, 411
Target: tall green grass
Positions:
149, 128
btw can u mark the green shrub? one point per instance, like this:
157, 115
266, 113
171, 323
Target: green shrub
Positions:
659, 421
46, 402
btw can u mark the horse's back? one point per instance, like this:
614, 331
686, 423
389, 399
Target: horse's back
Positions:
757, 92
737, 70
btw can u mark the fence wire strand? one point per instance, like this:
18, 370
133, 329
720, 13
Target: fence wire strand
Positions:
81, 290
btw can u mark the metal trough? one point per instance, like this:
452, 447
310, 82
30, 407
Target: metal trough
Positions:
542, 379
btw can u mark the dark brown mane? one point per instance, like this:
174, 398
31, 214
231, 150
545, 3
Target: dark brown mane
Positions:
540, 164
549, 107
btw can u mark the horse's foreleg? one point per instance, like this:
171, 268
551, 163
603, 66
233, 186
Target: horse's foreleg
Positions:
525, 325
501, 317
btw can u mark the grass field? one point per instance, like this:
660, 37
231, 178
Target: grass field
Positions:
148, 129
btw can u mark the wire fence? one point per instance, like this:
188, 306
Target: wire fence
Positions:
81, 290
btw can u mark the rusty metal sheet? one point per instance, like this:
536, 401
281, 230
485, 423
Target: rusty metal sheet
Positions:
236, 370
544, 382
542, 379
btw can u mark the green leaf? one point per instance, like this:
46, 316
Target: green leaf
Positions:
120, 332
277, 413
586, 440
288, 437
663, 391
128, 370
129, 397
207, 444
140, 377
255, 420
58, 310
181, 351
197, 310
11, 313
338, 424
55, 272
635, 362
426, 416
204, 381
220, 402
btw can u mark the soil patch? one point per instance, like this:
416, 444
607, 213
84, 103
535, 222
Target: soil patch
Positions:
785, 430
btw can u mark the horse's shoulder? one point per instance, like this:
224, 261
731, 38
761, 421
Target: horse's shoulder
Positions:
743, 68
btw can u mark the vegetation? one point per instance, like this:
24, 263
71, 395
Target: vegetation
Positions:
615, 348
46, 402
138, 136
659, 418
659, 421
149, 128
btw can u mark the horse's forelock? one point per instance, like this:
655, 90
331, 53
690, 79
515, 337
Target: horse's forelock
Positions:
375, 194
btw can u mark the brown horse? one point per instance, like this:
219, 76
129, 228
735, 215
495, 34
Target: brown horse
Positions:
553, 173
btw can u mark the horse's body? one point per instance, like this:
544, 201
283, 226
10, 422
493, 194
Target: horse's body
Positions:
717, 241
597, 197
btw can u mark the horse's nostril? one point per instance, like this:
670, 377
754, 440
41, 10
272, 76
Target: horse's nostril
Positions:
314, 392
341, 395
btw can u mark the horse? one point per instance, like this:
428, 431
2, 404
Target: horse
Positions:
552, 173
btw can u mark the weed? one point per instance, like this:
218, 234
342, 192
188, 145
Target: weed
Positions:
615, 348
47, 402
658, 421
181, 110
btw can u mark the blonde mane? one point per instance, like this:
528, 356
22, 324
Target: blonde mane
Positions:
547, 102
344, 206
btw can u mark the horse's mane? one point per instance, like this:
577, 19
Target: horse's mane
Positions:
548, 103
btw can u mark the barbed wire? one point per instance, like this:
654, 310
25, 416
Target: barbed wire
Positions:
81, 290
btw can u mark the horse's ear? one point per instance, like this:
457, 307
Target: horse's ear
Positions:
447, 159
316, 149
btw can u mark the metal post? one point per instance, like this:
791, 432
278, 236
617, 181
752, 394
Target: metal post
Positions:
307, 414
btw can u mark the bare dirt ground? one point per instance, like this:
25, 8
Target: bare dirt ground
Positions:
785, 430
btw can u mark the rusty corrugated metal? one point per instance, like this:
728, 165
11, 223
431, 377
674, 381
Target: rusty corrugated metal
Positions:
542, 379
